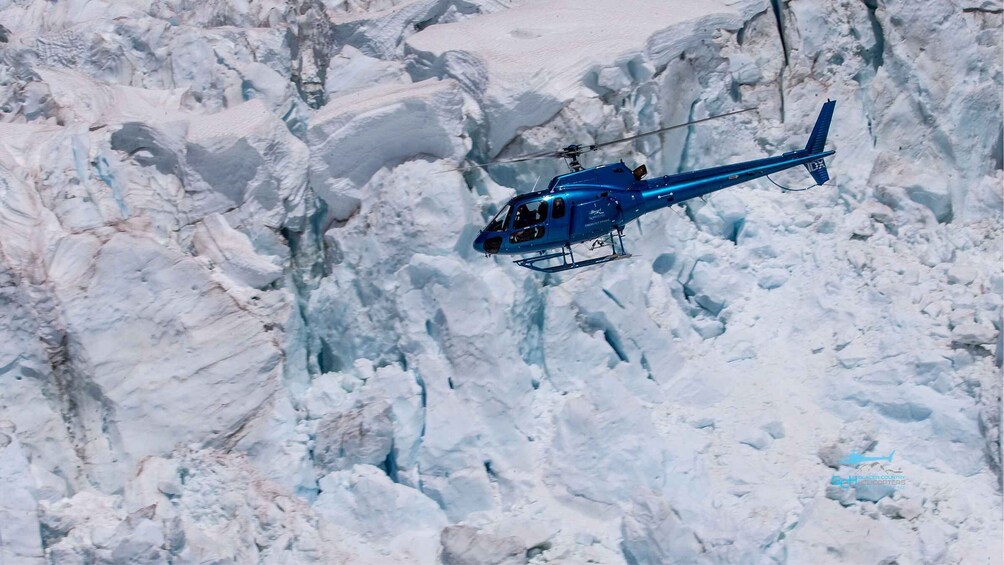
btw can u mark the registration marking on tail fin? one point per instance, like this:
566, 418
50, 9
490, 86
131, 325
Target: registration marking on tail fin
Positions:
818, 171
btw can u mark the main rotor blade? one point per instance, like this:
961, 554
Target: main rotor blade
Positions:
530, 157
665, 129
588, 148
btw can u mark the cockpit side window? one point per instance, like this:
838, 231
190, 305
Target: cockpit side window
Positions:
529, 214
498, 222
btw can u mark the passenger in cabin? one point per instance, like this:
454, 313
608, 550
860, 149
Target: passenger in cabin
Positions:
529, 214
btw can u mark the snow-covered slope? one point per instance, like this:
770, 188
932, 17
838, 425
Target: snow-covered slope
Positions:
241, 320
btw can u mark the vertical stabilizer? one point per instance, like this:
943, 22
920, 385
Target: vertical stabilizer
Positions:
817, 140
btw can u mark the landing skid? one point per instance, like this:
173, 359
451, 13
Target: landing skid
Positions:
566, 260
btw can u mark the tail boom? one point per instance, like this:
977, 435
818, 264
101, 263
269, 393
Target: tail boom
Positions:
666, 191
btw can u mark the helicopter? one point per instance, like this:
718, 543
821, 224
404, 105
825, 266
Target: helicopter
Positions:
596, 204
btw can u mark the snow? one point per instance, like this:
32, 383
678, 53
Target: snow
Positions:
401, 120
396, 519
525, 63
241, 319
19, 508
463, 545
233, 252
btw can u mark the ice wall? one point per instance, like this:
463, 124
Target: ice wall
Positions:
242, 320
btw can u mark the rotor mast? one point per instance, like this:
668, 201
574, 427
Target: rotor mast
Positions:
571, 156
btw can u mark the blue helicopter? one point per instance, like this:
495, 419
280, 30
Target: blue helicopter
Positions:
595, 204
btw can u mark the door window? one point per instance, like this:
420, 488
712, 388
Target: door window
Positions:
558, 208
529, 214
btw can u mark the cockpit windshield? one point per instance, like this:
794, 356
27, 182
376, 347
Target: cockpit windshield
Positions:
498, 222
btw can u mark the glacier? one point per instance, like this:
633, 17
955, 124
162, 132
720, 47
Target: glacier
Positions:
241, 320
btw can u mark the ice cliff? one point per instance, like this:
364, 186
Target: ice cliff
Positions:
241, 320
